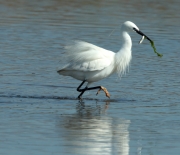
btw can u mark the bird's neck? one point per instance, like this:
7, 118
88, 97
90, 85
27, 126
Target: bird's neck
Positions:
123, 57
126, 41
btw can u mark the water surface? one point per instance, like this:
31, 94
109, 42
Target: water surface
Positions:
39, 112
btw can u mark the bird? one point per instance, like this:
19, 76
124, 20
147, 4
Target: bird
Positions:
89, 63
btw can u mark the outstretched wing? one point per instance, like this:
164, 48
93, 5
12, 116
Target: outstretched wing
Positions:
83, 56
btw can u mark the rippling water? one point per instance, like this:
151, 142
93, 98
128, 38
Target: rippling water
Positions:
39, 113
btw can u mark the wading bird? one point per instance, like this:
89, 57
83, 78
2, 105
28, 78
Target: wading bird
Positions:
90, 63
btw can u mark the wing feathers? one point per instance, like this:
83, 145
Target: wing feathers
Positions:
83, 56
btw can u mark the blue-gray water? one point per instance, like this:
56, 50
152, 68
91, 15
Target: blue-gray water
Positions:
39, 113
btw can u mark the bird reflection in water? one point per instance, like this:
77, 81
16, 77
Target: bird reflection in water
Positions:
91, 131
91, 110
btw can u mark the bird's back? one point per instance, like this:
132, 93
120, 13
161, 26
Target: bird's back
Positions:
87, 61
83, 56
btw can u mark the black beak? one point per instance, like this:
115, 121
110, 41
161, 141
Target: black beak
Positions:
142, 34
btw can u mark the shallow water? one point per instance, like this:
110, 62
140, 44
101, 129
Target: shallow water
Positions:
39, 112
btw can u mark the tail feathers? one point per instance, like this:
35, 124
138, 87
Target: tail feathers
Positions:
60, 71
79, 75
64, 72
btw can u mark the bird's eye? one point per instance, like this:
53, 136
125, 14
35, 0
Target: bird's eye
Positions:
134, 29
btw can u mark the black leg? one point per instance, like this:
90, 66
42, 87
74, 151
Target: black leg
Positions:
81, 90
91, 88
78, 88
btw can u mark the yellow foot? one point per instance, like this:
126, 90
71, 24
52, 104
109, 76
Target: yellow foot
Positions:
105, 90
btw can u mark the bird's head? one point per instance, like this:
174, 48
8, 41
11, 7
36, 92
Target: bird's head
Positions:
130, 26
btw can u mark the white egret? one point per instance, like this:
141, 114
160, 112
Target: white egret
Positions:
90, 63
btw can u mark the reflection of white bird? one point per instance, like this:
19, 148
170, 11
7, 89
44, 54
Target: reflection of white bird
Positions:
90, 63
95, 136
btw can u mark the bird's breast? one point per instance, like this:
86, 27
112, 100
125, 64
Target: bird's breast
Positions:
122, 61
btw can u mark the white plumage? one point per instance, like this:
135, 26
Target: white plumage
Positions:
87, 58
87, 63
90, 63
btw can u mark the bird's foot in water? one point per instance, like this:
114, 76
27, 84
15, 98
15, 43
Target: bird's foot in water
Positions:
105, 90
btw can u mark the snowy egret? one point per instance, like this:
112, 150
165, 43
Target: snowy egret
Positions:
90, 63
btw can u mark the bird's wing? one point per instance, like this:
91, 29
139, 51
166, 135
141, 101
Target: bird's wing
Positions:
83, 56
